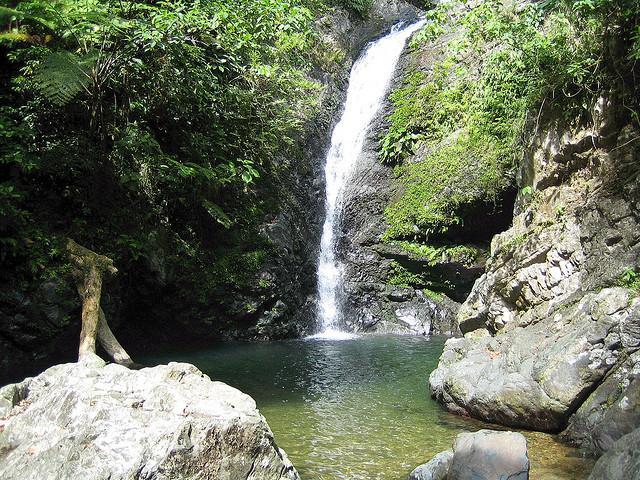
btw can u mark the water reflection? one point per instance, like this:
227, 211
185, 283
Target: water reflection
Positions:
358, 409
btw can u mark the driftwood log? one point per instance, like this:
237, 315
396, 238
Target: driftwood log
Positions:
89, 270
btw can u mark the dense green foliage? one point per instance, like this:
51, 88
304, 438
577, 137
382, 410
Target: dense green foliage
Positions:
150, 131
360, 7
402, 277
501, 65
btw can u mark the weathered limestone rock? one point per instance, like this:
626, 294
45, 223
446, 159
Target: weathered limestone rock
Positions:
483, 455
548, 331
611, 411
622, 461
108, 422
381, 308
488, 455
534, 376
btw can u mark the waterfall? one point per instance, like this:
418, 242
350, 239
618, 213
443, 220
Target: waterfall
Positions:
369, 81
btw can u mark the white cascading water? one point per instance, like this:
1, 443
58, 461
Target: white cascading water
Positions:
369, 81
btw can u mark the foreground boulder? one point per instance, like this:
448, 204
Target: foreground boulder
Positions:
483, 455
108, 422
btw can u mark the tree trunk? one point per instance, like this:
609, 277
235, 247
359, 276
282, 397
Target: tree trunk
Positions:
111, 345
90, 290
89, 269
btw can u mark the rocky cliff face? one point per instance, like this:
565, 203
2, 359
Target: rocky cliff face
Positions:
108, 422
552, 328
41, 326
373, 302
380, 294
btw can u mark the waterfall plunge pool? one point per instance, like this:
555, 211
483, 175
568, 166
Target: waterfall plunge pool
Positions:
357, 409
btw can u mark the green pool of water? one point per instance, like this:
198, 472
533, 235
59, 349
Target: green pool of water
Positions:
358, 409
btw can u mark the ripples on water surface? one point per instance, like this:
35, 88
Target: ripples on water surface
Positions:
358, 409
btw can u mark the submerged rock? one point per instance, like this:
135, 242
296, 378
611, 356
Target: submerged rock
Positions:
489, 455
435, 469
483, 455
108, 422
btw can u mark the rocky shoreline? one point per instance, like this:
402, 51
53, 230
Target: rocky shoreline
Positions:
551, 333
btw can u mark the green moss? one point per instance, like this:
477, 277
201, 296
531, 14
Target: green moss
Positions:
402, 277
630, 279
361, 7
469, 167
435, 254
514, 242
238, 269
431, 294
468, 115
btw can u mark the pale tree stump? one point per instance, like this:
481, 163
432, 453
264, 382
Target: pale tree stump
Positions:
89, 270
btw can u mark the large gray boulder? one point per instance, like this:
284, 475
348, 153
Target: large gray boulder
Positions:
535, 376
622, 461
489, 455
483, 455
107, 422
435, 469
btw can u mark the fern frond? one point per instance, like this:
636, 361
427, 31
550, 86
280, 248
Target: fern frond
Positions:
63, 75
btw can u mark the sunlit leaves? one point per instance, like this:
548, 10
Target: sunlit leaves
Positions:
217, 213
146, 115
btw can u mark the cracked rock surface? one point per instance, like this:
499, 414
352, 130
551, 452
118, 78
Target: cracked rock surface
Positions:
107, 422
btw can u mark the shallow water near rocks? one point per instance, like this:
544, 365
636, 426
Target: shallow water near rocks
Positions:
358, 409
